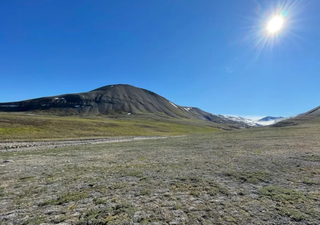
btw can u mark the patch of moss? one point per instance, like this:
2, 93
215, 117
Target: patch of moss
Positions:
134, 173
289, 201
309, 182
99, 201
65, 198
281, 194
313, 158
19, 130
34, 221
294, 214
145, 192
27, 178
314, 196
118, 214
253, 177
196, 186
2, 191
119, 185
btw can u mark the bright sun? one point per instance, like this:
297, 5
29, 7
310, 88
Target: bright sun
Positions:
275, 24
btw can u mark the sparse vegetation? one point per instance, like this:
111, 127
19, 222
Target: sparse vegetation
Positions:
145, 191
34, 221
250, 177
293, 213
281, 194
209, 178
290, 203
66, 198
119, 185
313, 158
117, 214
99, 201
195, 186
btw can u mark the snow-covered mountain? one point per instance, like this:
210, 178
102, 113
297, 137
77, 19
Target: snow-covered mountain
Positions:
249, 122
265, 121
270, 118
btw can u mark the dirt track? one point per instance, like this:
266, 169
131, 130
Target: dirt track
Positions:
20, 146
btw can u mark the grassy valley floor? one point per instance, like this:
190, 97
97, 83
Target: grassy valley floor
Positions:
20, 127
253, 176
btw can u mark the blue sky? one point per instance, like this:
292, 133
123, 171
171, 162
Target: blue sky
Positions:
208, 54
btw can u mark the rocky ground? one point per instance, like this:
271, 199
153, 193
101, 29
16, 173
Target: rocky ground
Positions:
254, 176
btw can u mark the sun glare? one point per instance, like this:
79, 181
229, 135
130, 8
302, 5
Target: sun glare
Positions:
275, 24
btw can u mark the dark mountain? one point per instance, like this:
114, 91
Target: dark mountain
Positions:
112, 100
269, 118
311, 115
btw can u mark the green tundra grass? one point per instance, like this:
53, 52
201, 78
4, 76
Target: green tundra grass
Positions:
36, 127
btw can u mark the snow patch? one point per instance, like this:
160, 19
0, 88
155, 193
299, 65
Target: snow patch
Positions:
249, 122
253, 122
173, 104
270, 122
187, 109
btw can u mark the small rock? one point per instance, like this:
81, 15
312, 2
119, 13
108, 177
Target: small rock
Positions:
8, 161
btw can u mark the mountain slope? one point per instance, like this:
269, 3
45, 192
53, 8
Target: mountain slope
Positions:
313, 112
112, 100
312, 116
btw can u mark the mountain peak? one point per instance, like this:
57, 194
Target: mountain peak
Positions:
107, 87
270, 118
109, 100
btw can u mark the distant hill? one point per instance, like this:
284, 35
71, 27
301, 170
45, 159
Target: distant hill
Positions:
113, 100
269, 118
311, 115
